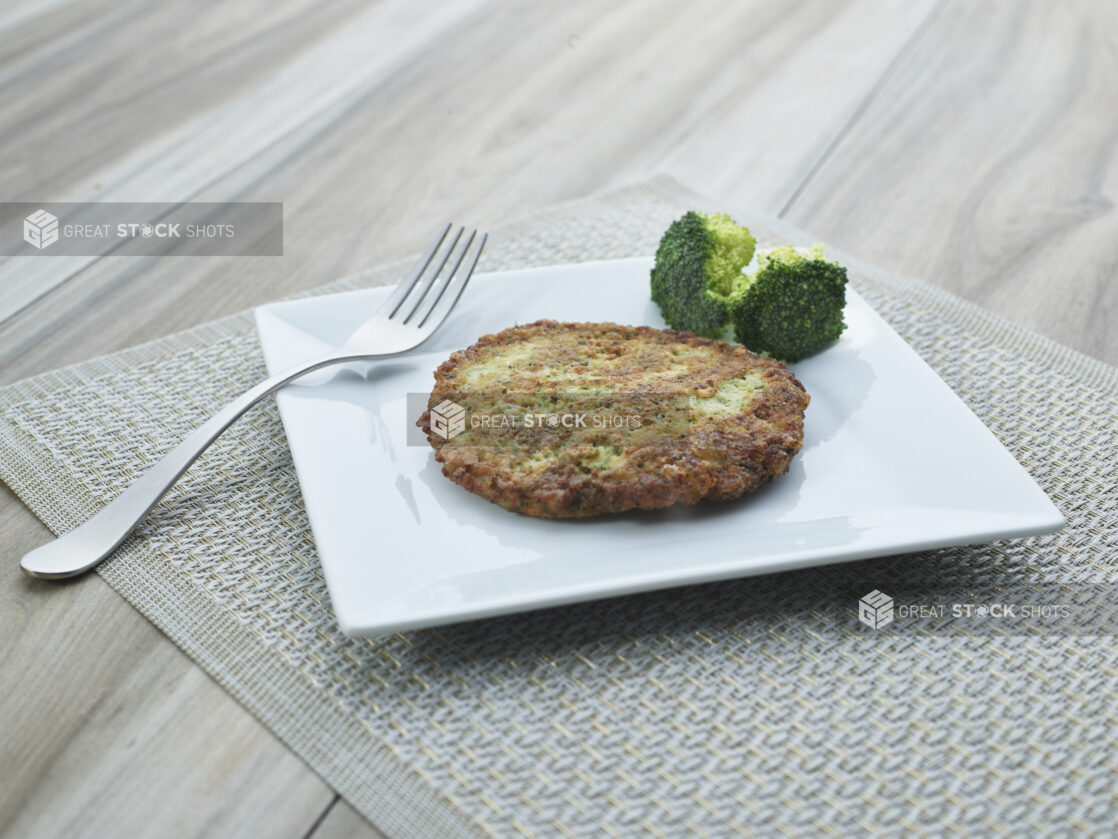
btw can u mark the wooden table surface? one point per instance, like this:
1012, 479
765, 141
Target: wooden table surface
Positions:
972, 144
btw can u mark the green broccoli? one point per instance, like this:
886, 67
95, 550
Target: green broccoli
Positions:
791, 307
698, 269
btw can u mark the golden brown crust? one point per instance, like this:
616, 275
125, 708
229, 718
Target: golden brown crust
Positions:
715, 420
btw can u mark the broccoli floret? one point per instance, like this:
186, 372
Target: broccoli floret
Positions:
791, 307
698, 269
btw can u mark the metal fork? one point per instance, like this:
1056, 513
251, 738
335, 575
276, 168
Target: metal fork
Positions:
409, 317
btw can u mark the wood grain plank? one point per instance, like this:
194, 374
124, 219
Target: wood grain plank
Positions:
177, 164
753, 143
88, 84
41, 22
519, 107
988, 165
109, 730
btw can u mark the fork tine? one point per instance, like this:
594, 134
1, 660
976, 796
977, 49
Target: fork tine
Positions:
412, 302
408, 283
444, 282
451, 290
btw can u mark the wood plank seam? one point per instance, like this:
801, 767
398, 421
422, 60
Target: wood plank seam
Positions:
886, 76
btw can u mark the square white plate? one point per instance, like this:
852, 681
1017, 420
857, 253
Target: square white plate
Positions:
892, 461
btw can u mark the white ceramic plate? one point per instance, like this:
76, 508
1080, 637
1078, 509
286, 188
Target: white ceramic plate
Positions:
892, 461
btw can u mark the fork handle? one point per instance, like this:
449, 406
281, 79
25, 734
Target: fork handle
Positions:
86, 545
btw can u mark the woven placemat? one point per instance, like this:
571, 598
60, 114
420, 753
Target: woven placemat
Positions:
753, 707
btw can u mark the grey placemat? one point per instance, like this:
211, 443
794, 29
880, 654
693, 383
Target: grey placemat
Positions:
755, 707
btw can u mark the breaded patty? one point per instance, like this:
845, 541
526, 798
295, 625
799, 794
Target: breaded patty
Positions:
566, 420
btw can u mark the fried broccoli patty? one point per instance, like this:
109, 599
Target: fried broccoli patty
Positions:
568, 420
